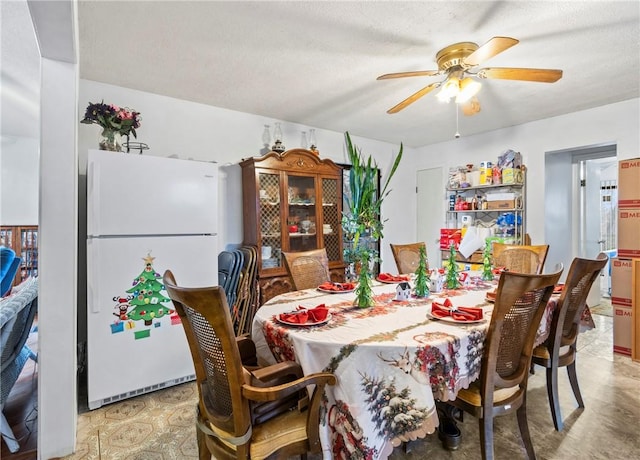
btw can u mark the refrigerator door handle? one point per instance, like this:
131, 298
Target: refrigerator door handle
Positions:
93, 275
93, 193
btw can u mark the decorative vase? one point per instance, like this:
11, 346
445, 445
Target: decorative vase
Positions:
110, 140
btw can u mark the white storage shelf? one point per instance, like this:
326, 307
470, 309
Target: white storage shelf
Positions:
493, 193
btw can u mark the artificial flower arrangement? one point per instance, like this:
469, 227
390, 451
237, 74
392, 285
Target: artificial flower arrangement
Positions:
113, 120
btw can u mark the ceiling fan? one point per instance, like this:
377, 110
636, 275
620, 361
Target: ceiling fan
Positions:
458, 62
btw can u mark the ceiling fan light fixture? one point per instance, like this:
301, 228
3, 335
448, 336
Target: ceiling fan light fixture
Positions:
468, 88
449, 89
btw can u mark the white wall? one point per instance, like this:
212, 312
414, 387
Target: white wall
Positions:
57, 261
19, 166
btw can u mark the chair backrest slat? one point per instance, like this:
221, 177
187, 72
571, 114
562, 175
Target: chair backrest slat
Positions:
572, 302
520, 303
520, 258
407, 256
308, 269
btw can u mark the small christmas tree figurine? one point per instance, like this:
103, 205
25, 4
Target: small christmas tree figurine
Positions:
487, 270
422, 275
452, 281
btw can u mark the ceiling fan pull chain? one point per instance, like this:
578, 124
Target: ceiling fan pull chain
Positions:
457, 134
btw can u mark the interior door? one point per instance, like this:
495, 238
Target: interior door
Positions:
430, 212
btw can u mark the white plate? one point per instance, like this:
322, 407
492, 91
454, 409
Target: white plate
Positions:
449, 319
319, 323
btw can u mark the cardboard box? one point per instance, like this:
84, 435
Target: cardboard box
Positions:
635, 310
621, 301
622, 318
621, 274
629, 232
629, 183
501, 196
501, 204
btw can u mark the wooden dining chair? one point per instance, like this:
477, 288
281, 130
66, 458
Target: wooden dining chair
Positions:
308, 269
560, 348
501, 387
407, 256
520, 258
227, 425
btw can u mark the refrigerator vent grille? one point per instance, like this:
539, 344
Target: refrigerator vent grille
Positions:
149, 389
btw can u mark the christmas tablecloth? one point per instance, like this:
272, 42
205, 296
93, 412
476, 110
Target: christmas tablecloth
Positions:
392, 361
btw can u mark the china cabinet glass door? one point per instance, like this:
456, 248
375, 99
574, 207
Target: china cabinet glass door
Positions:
301, 213
331, 218
270, 225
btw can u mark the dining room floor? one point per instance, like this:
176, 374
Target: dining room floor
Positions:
160, 424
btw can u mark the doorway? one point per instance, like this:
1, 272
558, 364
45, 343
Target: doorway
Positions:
575, 208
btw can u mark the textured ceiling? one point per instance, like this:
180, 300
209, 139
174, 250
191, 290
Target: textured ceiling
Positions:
316, 63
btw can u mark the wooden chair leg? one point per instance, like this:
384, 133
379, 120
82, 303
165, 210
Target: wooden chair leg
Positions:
203, 450
486, 437
552, 392
573, 378
523, 424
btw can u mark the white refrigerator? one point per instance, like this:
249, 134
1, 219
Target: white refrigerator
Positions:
145, 214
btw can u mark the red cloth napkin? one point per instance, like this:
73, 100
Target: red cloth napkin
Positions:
393, 278
306, 315
329, 286
457, 313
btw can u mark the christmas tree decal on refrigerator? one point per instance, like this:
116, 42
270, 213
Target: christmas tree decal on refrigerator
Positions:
145, 304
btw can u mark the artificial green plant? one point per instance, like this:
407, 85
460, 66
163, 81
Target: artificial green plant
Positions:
362, 216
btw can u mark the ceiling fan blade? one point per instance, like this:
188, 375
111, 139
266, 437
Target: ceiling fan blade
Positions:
509, 73
494, 46
414, 97
417, 73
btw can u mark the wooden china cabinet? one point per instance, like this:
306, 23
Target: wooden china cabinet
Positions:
292, 201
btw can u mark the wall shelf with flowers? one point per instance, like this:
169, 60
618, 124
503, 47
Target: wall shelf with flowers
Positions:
115, 122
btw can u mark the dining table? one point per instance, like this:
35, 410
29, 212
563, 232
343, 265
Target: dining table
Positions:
392, 360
